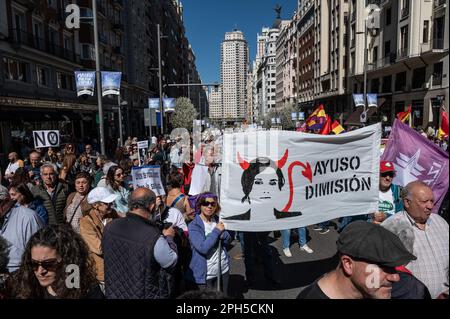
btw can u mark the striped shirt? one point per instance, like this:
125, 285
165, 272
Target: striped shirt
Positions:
432, 252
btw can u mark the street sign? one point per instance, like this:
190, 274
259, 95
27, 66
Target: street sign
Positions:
46, 138
363, 117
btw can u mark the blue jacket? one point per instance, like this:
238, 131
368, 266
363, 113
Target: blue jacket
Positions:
39, 208
200, 245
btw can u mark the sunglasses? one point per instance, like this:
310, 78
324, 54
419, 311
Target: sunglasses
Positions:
207, 204
390, 174
49, 264
120, 174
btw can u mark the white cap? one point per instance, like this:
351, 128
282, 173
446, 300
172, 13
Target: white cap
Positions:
101, 194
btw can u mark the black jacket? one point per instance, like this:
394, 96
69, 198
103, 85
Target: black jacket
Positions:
131, 271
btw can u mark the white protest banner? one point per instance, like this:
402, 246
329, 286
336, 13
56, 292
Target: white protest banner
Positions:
142, 151
148, 177
278, 180
46, 138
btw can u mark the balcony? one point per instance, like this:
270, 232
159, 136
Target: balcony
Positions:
402, 53
20, 37
437, 79
438, 44
438, 4
405, 12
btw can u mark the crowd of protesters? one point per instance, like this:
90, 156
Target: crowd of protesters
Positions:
72, 206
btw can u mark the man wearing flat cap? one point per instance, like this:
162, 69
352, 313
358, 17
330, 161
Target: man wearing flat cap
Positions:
368, 255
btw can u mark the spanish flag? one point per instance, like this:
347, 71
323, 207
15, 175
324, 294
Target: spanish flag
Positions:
443, 130
316, 120
326, 128
404, 116
337, 128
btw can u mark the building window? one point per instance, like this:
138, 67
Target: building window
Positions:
387, 48
387, 84
418, 79
15, 70
388, 16
65, 81
42, 76
403, 41
400, 81
426, 27
437, 73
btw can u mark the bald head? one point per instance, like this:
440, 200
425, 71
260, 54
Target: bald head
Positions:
13, 156
418, 200
142, 201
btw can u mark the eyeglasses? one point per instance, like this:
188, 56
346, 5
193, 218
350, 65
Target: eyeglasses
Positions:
49, 264
208, 204
390, 174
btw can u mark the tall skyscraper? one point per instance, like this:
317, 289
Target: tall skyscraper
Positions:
234, 69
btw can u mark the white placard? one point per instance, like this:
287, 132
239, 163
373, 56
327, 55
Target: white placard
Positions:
46, 138
148, 177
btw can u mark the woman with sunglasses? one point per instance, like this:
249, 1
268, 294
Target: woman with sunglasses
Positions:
51, 255
115, 183
93, 224
205, 232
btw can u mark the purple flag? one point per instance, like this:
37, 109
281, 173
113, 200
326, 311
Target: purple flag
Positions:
417, 158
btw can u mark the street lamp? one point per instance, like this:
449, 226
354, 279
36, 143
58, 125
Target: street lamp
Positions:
371, 12
121, 103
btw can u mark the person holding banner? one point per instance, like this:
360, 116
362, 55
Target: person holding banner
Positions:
205, 232
115, 183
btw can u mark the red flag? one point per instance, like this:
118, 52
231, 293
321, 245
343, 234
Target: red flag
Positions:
443, 130
404, 116
326, 128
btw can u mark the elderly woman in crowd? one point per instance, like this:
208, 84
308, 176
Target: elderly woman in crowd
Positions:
92, 225
49, 255
205, 232
77, 205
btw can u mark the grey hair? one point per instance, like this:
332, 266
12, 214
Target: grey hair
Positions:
49, 165
402, 230
141, 202
406, 191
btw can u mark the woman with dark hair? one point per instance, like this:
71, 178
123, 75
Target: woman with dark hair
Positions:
49, 258
22, 195
99, 163
205, 232
69, 170
175, 198
77, 205
115, 183
20, 176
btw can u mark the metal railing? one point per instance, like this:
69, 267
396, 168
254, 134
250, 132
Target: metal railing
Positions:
405, 12
438, 3
438, 44
437, 79
22, 37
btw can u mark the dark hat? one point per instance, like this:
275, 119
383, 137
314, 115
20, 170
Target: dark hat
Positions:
373, 243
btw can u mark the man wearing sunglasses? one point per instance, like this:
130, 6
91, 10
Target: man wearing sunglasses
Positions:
389, 201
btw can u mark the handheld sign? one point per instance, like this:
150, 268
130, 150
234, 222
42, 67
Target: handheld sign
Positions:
46, 138
142, 151
148, 177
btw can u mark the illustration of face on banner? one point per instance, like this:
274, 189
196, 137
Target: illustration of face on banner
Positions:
111, 83
169, 105
276, 180
85, 82
358, 99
